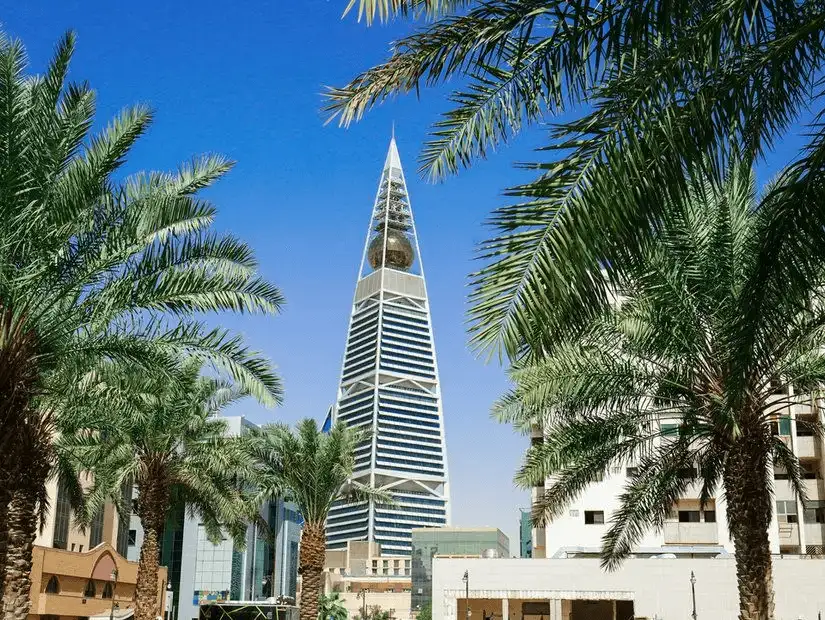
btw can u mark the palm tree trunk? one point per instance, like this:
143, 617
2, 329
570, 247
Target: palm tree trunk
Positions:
152, 506
5, 497
313, 551
22, 527
749, 504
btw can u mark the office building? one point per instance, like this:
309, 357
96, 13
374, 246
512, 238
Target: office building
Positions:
389, 383
429, 543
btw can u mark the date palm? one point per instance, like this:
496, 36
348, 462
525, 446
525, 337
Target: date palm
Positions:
93, 267
163, 437
684, 374
312, 469
646, 89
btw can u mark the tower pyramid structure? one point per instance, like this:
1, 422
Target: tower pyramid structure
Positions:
389, 383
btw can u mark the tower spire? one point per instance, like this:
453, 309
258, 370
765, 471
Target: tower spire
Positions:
389, 383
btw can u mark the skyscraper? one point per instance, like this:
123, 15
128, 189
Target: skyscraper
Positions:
389, 383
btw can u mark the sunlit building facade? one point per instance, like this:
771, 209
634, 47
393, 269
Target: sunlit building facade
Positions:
389, 383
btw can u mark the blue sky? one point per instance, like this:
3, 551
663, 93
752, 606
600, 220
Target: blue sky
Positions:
245, 80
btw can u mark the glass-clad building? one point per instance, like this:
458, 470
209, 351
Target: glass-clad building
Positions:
389, 383
449, 541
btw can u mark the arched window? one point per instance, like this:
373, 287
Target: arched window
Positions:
107, 590
53, 586
90, 590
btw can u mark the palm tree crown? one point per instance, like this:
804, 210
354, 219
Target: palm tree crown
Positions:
162, 437
685, 375
312, 469
92, 268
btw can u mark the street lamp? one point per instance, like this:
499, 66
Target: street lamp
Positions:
466, 580
114, 587
363, 596
693, 592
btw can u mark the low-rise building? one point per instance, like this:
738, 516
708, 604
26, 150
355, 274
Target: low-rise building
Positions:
366, 578
68, 585
642, 589
467, 542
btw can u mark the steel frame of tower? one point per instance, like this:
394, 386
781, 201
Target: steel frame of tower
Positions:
434, 486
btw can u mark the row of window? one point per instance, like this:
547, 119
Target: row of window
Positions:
812, 511
90, 591
596, 517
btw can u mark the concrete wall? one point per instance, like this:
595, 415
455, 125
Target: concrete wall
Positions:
660, 588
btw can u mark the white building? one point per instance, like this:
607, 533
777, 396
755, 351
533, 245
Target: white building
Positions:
797, 527
389, 383
643, 589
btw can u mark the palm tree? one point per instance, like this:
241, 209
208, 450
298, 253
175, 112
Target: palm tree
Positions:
92, 268
163, 437
331, 607
683, 376
312, 469
647, 89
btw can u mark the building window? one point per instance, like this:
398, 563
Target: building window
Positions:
62, 514
669, 429
814, 512
96, 530
53, 586
786, 512
107, 590
90, 590
132, 538
782, 426
594, 517
808, 470
631, 472
710, 516
689, 516
123, 524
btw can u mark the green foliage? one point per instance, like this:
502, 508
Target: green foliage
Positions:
308, 467
374, 612
97, 267
331, 607
713, 323
425, 613
132, 427
648, 89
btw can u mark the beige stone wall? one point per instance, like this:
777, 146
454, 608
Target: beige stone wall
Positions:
73, 571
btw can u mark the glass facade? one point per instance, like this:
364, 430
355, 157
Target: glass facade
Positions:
428, 543
389, 384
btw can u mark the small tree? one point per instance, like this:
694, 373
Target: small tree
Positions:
425, 613
331, 607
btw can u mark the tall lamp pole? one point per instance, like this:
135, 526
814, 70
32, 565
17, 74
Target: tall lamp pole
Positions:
693, 592
363, 596
466, 580
114, 587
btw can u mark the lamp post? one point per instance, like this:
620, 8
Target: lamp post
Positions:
466, 580
114, 587
363, 596
693, 592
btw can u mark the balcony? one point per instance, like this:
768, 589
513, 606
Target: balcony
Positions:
677, 533
788, 533
806, 447
814, 489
